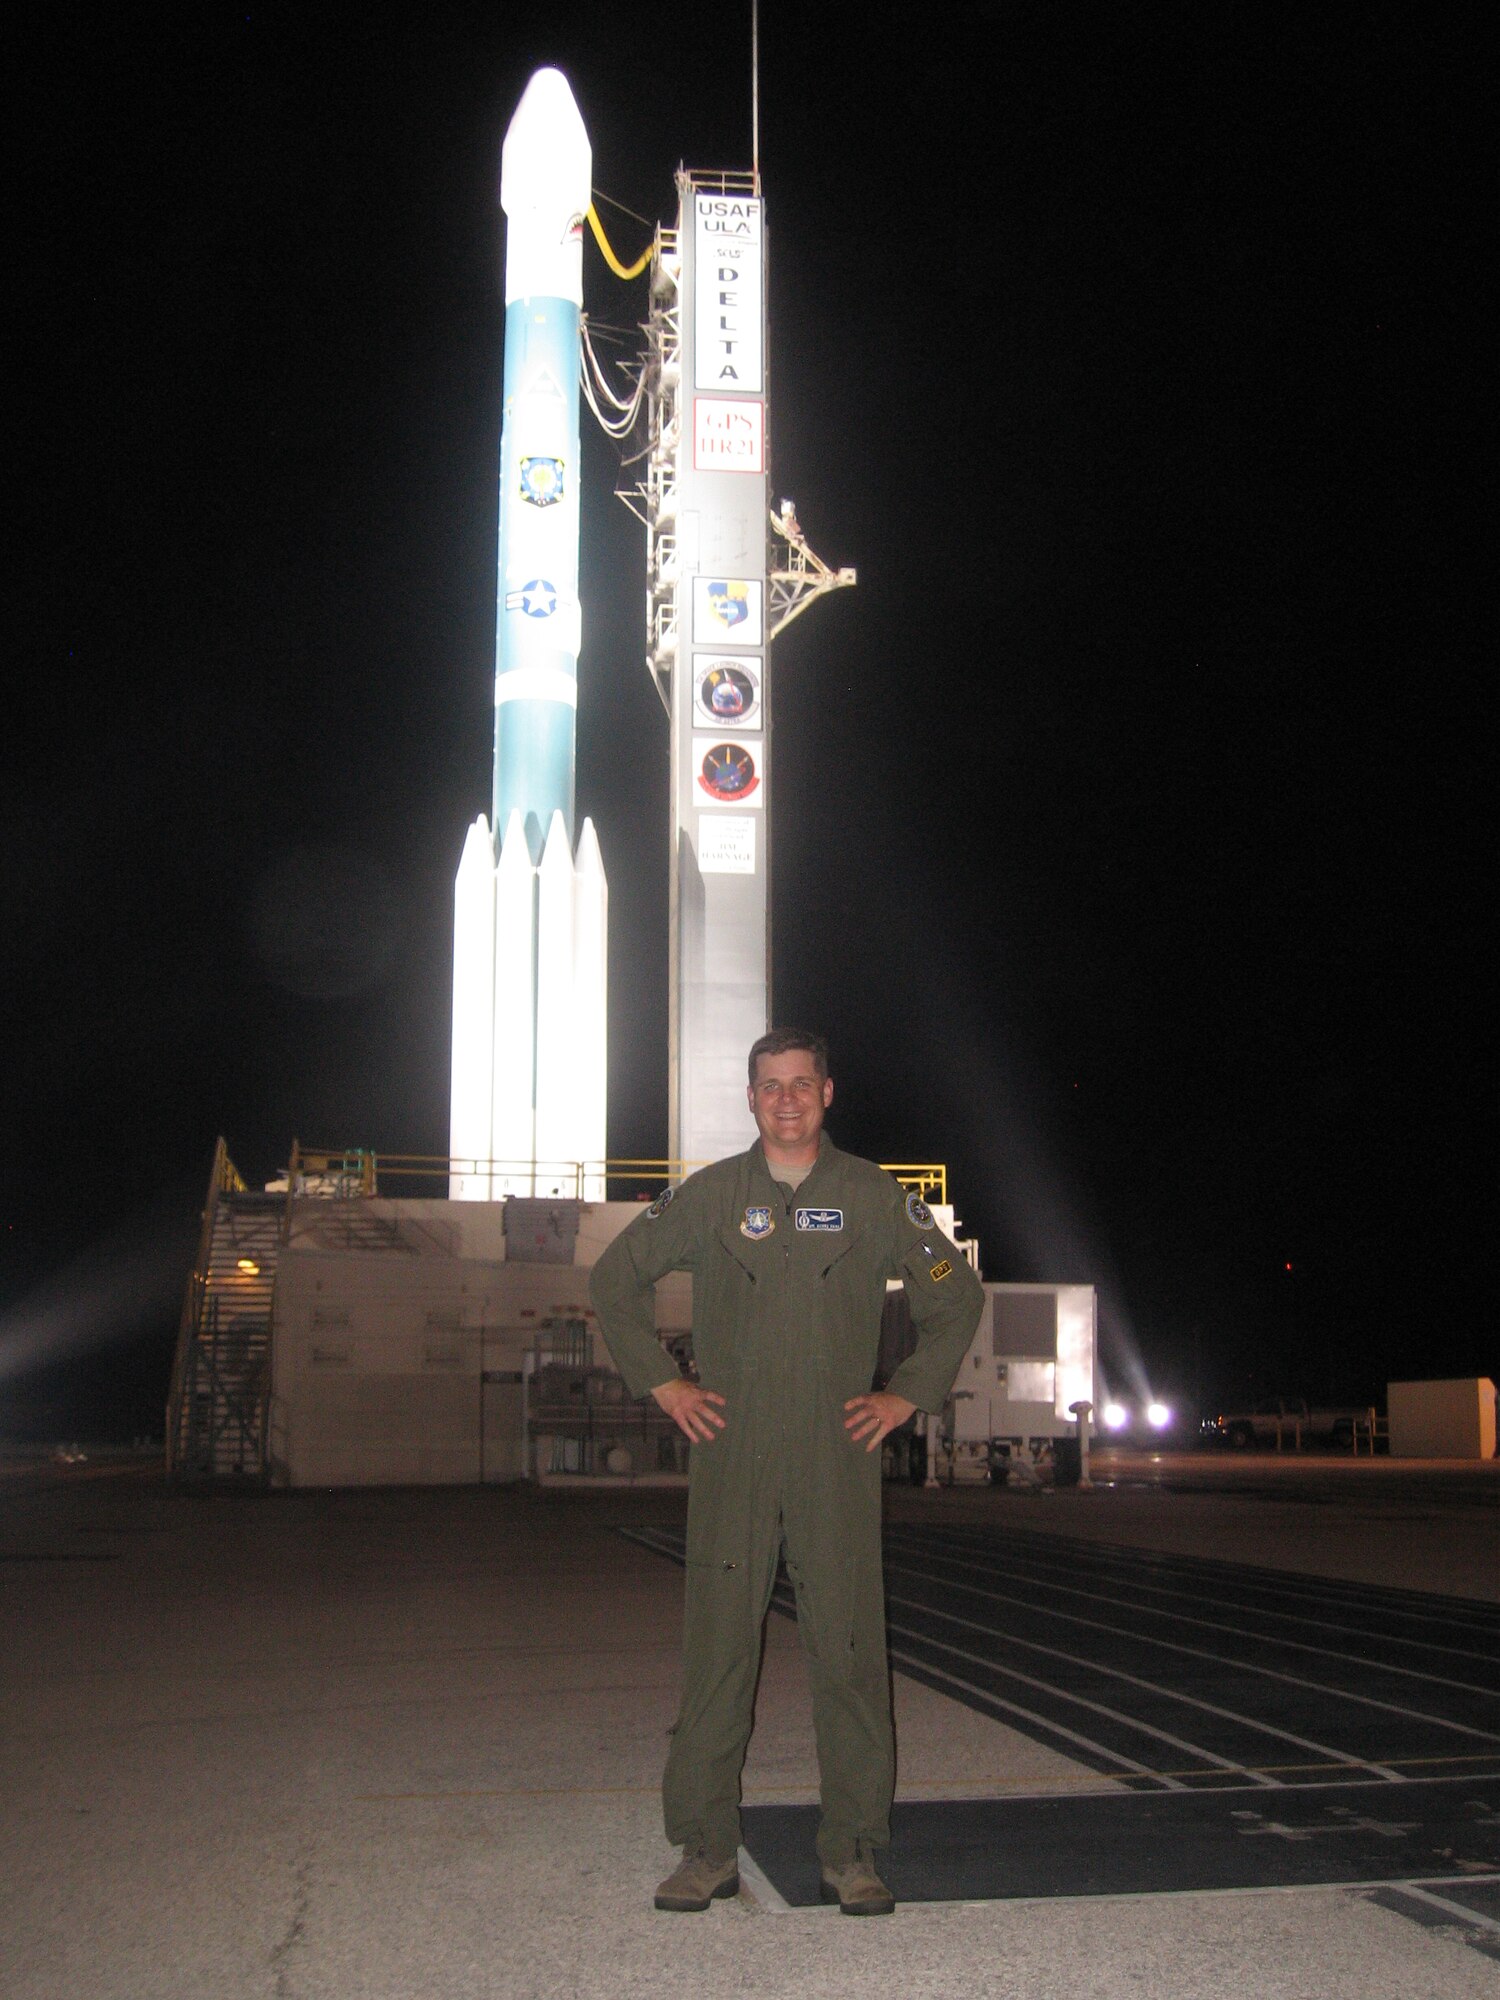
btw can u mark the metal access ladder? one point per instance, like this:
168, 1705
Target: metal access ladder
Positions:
221, 1380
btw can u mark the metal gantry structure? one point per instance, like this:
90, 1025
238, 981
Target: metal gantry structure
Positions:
725, 574
795, 575
217, 1414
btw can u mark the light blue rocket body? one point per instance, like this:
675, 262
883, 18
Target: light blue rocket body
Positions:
537, 618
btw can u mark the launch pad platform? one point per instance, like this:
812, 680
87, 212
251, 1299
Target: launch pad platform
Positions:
338, 1333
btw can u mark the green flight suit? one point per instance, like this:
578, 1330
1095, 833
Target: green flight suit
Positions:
787, 1300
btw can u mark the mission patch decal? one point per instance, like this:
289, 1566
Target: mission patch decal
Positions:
728, 772
758, 1222
918, 1213
659, 1206
542, 481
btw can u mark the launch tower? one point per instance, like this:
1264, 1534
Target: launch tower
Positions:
725, 574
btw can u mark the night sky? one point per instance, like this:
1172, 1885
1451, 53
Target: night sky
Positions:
1126, 814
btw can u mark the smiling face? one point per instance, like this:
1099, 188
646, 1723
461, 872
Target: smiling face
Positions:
788, 1099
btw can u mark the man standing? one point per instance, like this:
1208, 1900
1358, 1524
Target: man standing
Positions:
790, 1246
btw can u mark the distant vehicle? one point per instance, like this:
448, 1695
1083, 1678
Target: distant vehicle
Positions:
1287, 1421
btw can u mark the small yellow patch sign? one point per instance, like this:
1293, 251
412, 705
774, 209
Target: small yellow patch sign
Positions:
943, 1270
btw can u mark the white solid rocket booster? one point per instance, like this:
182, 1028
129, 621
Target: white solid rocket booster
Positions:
529, 946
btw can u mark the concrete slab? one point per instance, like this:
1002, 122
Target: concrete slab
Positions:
406, 1746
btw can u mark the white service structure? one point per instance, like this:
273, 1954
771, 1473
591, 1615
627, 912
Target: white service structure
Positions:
1033, 1356
716, 598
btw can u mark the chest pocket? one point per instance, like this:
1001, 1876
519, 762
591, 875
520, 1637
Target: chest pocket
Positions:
838, 1251
740, 1253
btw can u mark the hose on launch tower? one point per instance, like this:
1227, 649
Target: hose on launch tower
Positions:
596, 385
610, 258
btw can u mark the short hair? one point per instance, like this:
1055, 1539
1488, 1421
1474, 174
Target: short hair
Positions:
781, 1041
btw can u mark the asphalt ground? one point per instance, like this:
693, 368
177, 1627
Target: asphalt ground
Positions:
1182, 1675
407, 1743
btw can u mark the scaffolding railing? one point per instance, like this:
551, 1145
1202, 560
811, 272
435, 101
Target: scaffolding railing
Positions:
220, 1387
224, 1177
348, 1172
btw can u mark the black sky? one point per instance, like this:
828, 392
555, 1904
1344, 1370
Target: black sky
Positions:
1127, 813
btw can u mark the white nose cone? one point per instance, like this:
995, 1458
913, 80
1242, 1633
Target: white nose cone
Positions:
546, 178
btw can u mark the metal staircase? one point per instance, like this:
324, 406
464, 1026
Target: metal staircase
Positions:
221, 1381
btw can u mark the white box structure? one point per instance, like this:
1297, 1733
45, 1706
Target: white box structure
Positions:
1450, 1419
1032, 1355
404, 1330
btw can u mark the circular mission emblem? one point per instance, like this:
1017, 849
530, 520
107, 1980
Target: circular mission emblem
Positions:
728, 772
727, 693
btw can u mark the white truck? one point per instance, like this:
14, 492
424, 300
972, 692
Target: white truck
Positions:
1289, 1424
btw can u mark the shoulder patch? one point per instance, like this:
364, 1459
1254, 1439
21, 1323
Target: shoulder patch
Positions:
659, 1206
943, 1270
918, 1214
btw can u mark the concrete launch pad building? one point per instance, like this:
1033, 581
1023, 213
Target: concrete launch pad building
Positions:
333, 1335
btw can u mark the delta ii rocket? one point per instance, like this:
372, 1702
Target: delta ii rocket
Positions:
530, 912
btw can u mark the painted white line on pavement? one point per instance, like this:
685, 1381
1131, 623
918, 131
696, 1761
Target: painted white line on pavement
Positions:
1210, 1757
1232, 1631
753, 1877
1198, 1653
1459, 1910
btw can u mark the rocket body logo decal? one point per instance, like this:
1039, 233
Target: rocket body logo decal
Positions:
730, 604
728, 772
757, 1223
542, 481
538, 599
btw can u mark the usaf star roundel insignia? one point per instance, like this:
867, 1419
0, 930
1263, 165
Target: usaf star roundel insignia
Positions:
918, 1213
659, 1206
758, 1222
536, 599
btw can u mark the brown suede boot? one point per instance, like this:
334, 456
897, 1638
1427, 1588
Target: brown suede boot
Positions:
696, 1881
856, 1888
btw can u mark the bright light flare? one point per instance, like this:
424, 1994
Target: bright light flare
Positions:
128, 1281
1158, 1415
1116, 1416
